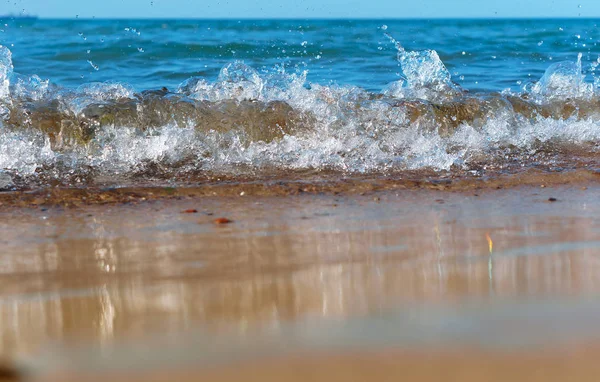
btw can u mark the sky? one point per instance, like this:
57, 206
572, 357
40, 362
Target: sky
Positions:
301, 8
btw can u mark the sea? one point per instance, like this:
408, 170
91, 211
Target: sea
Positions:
122, 102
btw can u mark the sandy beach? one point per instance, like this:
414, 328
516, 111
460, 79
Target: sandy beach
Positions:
306, 192
480, 283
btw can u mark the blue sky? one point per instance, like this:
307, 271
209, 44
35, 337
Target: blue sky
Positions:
302, 9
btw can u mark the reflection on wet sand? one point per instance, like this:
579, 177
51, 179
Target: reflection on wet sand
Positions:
104, 274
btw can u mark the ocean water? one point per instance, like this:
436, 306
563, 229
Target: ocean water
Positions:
83, 101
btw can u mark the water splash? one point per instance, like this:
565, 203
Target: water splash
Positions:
32, 87
6, 70
95, 93
563, 80
238, 81
424, 74
249, 123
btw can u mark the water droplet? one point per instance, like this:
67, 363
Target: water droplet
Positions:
540, 43
463, 53
96, 67
141, 50
384, 27
304, 43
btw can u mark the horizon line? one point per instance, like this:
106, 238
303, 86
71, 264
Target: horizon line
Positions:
316, 18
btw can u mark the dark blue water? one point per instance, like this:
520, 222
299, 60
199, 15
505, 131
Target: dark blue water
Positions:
124, 99
480, 54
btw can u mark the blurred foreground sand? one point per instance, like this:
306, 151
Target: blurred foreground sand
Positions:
413, 284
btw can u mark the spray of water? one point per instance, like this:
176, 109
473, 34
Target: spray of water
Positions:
248, 123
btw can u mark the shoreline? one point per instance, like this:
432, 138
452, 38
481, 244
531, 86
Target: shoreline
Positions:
327, 185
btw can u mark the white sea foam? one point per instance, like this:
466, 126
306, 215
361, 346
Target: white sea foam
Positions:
352, 130
346, 147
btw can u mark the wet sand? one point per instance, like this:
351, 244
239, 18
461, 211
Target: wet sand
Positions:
112, 191
473, 284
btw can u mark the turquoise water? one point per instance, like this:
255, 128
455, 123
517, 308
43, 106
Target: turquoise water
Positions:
480, 54
187, 98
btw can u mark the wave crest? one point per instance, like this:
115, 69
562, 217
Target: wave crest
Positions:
250, 123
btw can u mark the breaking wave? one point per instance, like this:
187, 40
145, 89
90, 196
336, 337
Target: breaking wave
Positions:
247, 123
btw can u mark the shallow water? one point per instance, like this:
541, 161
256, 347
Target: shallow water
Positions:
136, 101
